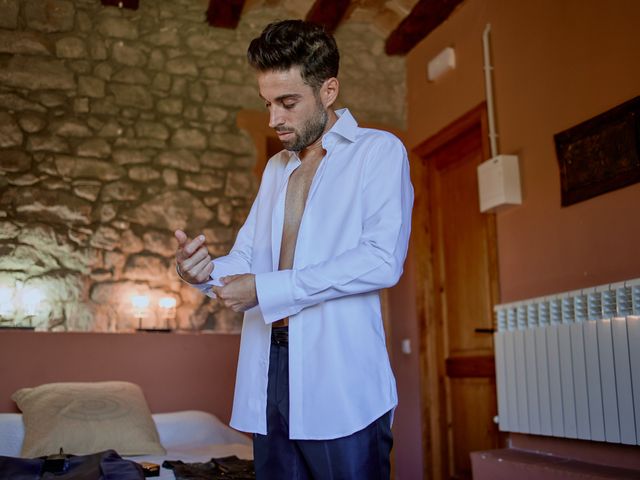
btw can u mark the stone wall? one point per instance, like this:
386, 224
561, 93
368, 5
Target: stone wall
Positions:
116, 128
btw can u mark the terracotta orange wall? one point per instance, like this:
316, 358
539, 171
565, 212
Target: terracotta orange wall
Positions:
175, 371
557, 63
407, 424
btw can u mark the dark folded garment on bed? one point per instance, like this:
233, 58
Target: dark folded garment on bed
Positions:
225, 468
107, 465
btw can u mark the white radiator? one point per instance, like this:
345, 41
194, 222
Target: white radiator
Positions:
568, 365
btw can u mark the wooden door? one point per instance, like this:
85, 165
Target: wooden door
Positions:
457, 274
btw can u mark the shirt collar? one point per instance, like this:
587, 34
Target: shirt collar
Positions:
345, 127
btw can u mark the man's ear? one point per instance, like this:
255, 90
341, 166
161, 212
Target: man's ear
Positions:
329, 91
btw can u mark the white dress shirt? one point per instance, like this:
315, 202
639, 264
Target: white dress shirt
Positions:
352, 242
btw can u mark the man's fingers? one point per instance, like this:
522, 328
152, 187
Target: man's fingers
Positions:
208, 269
193, 245
199, 270
206, 272
220, 293
188, 264
181, 237
228, 279
182, 240
187, 249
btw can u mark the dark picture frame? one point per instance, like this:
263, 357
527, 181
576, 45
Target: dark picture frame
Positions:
601, 154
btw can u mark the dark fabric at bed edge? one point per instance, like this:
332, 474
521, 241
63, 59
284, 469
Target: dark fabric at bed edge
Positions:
107, 465
224, 468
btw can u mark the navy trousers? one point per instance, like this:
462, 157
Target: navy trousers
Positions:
363, 455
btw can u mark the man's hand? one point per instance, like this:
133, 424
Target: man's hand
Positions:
192, 258
238, 292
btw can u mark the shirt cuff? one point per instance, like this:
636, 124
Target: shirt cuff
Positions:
275, 295
203, 287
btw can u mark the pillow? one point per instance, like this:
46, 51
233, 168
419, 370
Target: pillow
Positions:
83, 418
194, 427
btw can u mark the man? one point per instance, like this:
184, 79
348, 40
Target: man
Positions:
328, 229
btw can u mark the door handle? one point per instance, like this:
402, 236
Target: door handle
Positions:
485, 330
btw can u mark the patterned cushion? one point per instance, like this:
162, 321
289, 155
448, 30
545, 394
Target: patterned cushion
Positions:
83, 418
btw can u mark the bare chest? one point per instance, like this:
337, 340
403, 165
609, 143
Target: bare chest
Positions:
297, 193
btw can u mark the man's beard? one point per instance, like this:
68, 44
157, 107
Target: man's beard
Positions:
311, 131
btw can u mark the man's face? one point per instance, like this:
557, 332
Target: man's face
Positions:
296, 112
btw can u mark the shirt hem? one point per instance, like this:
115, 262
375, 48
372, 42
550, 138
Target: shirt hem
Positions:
357, 428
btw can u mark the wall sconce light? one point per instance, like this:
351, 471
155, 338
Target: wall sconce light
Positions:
7, 308
140, 305
31, 299
168, 311
20, 305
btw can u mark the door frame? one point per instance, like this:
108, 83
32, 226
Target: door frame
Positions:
430, 324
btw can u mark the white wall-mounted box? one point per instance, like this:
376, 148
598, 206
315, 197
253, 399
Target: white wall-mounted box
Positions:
442, 63
499, 183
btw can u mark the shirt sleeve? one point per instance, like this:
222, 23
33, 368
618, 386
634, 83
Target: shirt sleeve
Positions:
377, 260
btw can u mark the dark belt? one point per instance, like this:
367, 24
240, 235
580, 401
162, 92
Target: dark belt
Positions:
280, 335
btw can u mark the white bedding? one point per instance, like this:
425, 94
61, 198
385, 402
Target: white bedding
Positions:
190, 436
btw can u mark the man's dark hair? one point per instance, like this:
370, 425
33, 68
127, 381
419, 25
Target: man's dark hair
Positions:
290, 43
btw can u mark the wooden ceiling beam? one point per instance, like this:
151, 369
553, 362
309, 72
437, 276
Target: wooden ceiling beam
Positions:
328, 13
224, 13
425, 17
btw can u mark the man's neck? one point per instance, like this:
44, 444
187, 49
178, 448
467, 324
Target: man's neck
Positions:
316, 147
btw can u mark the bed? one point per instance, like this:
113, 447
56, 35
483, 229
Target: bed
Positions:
190, 375
190, 436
